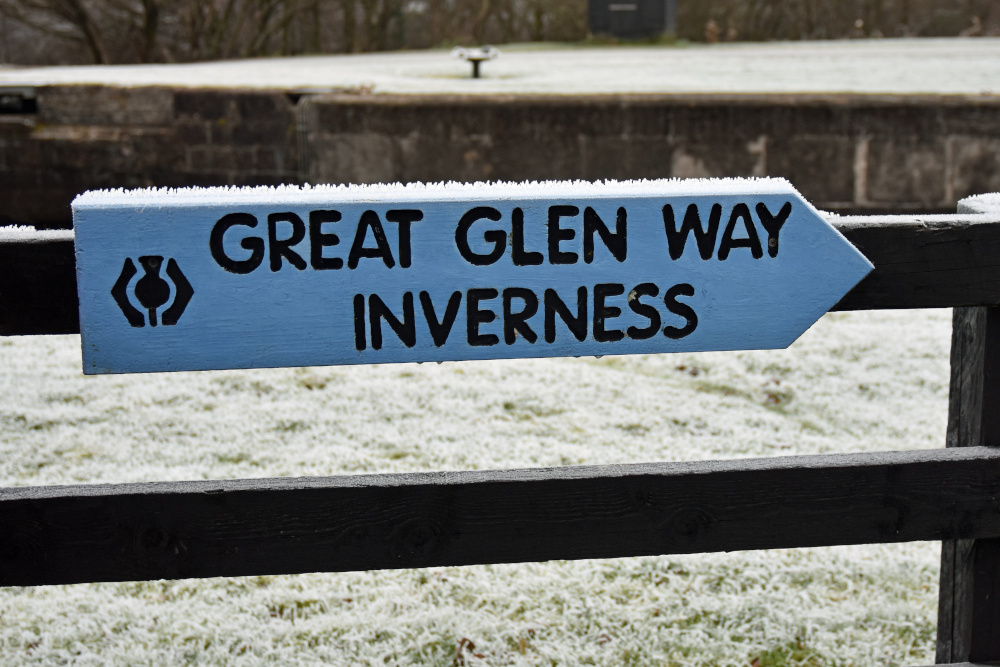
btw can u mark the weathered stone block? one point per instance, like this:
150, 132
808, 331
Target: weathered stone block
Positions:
971, 116
431, 157
203, 104
564, 118
536, 156
221, 158
263, 106
906, 170
728, 155
262, 132
265, 159
700, 123
975, 165
821, 167
191, 132
13, 128
108, 106
644, 117
352, 158
625, 157
895, 116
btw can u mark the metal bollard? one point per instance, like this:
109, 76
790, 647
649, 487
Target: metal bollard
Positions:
475, 56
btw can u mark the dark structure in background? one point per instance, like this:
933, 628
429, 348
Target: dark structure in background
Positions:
632, 19
845, 153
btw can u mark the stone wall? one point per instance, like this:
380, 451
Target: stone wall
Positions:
86, 137
847, 153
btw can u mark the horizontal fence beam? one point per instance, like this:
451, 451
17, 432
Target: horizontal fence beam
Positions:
171, 530
925, 261
38, 283
930, 261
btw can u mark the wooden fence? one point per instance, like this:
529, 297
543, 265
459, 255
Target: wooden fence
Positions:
123, 532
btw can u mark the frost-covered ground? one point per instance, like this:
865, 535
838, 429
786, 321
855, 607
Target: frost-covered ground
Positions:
855, 382
899, 66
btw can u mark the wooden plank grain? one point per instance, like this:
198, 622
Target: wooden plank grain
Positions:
929, 261
58, 535
969, 601
38, 284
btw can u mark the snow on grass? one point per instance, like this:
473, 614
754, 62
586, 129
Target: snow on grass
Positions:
898, 66
855, 382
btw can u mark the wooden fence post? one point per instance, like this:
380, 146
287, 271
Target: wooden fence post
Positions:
969, 604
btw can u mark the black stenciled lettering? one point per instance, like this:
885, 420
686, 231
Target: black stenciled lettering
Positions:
474, 316
772, 224
254, 244
318, 239
558, 234
497, 237
278, 248
616, 242
705, 238
604, 312
682, 309
359, 322
516, 323
740, 212
404, 217
370, 220
645, 310
405, 329
440, 329
517, 253
554, 305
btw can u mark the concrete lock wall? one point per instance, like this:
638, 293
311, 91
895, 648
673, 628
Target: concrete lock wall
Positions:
849, 153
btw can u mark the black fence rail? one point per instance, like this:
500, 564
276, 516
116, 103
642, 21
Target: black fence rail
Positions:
123, 532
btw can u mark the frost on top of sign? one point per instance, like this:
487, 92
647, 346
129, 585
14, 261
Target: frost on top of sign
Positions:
436, 191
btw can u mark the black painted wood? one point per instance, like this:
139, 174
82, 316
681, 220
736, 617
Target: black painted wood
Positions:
38, 284
969, 602
55, 535
933, 261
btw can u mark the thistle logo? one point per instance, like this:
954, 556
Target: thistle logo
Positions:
152, 291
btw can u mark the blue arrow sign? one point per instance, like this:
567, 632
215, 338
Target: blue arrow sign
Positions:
200, 279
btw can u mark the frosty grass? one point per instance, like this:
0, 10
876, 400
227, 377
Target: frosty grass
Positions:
855, 382
945, 66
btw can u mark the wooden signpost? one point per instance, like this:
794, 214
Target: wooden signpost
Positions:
264, 277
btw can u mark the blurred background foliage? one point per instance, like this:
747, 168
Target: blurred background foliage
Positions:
137, 31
